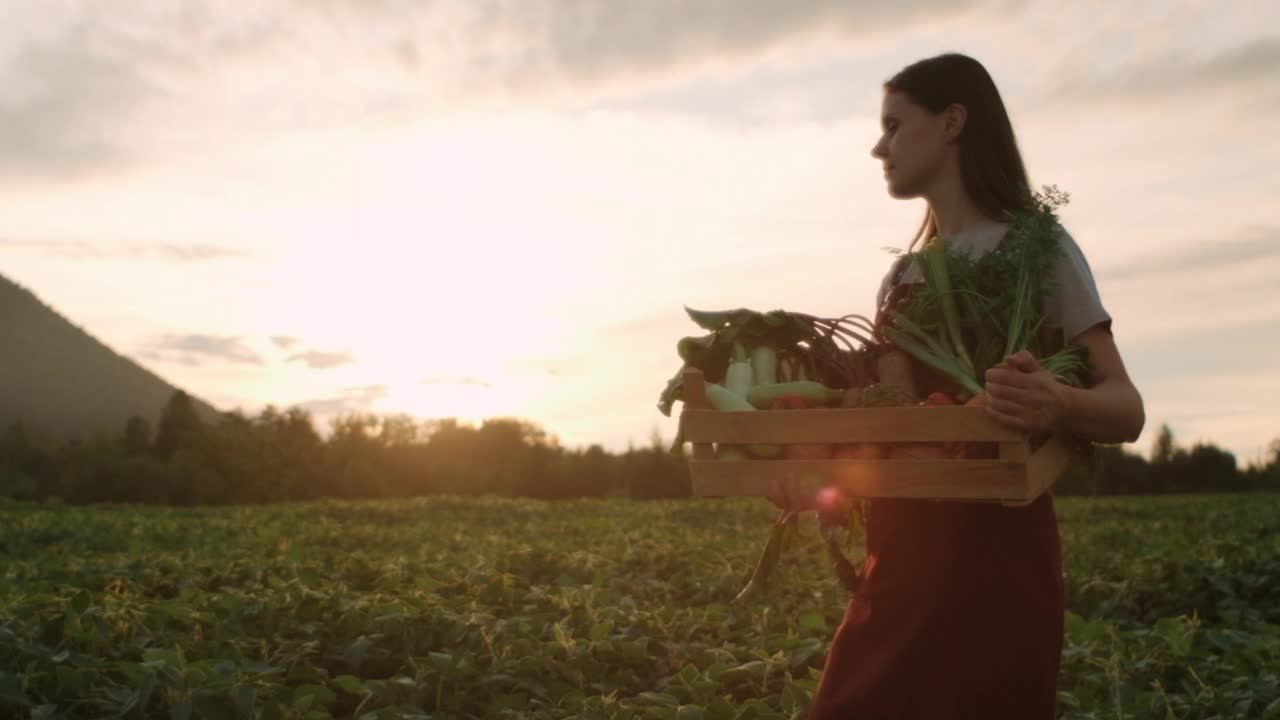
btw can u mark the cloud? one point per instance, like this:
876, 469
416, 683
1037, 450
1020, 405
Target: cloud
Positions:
1253, 246
83, 250
560, 366
533, 43
312, 358
54, 120
191, 252
349, 400
1251, 67
317, 360
457, 381
89, 87
660, 321
591, 41
79, 78
1254, 351
195, 349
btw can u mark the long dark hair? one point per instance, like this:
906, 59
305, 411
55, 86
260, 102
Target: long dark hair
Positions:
990, 164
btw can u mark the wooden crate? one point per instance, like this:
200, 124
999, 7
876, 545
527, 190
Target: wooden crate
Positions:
1018, 476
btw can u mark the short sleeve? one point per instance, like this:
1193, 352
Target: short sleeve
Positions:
890, 277
1074, 304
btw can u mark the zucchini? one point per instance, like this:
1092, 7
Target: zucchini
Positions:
817, 394
725, 401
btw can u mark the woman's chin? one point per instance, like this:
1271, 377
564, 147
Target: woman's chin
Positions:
900, 193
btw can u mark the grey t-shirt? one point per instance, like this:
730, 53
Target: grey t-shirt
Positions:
1074, 305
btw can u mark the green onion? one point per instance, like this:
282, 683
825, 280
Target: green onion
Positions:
970, 315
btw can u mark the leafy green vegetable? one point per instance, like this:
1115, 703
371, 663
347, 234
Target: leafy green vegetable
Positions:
970, 313
833, 351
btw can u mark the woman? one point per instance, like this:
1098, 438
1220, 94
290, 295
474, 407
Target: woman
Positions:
960, 611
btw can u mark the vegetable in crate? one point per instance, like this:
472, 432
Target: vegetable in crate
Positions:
764, 365
814, 394
836, 352
722, 399
893, 370
801, 451
739, 377
797, 361
881, 394
970, 314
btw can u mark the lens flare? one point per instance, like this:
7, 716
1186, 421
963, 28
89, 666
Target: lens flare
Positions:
829, 498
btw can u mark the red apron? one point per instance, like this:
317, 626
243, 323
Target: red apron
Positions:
959, 614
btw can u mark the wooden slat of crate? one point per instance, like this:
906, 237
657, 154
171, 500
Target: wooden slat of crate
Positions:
888, 424
694, 391
1009, 482
932, 479
1018, 477
1045, 466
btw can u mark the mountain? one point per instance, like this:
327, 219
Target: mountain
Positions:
58, 379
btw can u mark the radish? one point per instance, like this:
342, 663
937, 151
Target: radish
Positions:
769, 558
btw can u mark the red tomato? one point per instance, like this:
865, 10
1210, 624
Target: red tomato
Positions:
796, 402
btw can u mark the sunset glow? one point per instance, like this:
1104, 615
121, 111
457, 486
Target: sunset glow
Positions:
364, 214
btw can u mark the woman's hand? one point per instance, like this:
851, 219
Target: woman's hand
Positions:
1023, 395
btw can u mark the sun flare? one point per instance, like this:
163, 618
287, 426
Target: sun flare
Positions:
468, 400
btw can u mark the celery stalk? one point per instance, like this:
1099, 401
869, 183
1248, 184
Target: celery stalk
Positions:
937, 267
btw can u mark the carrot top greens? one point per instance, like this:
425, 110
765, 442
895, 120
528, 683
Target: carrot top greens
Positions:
971, 313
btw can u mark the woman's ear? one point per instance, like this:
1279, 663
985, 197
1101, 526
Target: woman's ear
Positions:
954, 118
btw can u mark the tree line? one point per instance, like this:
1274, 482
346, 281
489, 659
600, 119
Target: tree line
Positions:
278, 455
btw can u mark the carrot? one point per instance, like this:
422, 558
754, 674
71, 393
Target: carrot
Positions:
940, 398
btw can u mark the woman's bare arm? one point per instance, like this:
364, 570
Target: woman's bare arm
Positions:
1110, 411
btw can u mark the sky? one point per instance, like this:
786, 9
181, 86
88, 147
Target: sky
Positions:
480, 208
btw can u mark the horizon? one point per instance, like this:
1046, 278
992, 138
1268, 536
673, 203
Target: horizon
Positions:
252, 204
325, 431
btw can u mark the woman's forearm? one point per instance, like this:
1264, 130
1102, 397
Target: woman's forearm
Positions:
1110, 412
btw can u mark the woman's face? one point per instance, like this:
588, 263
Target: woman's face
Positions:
913, 146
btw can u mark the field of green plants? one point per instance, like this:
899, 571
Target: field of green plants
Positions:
487, 608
